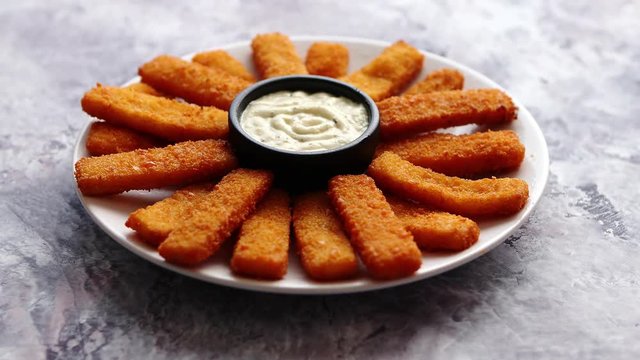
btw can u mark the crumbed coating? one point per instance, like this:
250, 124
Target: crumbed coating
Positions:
380, 238
471, 155
409, 115
145, 88
212, 220
173, 165
439, 80
321, 244
389, 73
165, 118
222, 60
192, 82
262, 249
275, 55
435, 230
104, 139
154, 222
376, 87
483, 197
327, 59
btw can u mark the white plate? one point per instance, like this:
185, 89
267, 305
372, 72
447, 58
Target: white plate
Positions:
110, 213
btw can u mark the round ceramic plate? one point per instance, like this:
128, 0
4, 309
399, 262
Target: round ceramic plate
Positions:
110, 213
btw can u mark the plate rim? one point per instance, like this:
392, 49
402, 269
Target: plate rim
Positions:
336, 288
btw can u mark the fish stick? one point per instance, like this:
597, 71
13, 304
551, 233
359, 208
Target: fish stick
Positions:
380, 238
471, 198
165, 118
275, 55
461, 155
389, 73
154, 222
213, 219
435, 230
104, 139
321, 244
376, 87
145, 88
327, 59
262, 250
192, 82
222, 60
174, 165
439, 80
408, 115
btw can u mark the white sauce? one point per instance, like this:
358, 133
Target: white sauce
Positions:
299, 121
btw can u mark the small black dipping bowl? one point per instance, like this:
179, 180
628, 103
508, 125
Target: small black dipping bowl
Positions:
298, 170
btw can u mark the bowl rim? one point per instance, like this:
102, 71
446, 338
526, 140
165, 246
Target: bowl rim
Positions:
373, 115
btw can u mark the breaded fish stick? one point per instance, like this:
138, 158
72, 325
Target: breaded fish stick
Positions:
484, 197
389, 73
154, 222
327, 59
192, 82
262, 250
435, 230
380, 238
275, 55
145, 88
323, 247
104, 139
222, 60
408, 115
461, 155
165, 118
213, 219
179, 164
439, 80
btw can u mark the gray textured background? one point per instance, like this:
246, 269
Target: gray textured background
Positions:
564, 286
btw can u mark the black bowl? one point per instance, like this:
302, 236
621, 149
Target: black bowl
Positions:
309, 169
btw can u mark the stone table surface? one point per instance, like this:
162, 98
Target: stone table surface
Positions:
566, 285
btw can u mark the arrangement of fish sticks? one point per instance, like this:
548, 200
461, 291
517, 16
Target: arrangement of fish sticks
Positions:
424, 190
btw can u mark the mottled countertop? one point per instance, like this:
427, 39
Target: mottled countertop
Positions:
566, 285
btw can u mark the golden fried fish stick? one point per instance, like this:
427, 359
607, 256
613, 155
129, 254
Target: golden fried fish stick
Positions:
213, 219
439, 80
222, 60
380, 238
484, 197
376, 87
145, 88
327, 59
435, 230
461, 155
323, 247
154, 222
179, 164
275, 55
408, 115
262, 250
389, 73
165, 118
192, 82
104, 139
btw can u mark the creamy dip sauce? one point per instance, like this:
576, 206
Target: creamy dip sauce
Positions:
299, 121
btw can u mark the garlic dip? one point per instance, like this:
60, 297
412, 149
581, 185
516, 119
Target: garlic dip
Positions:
300, 121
